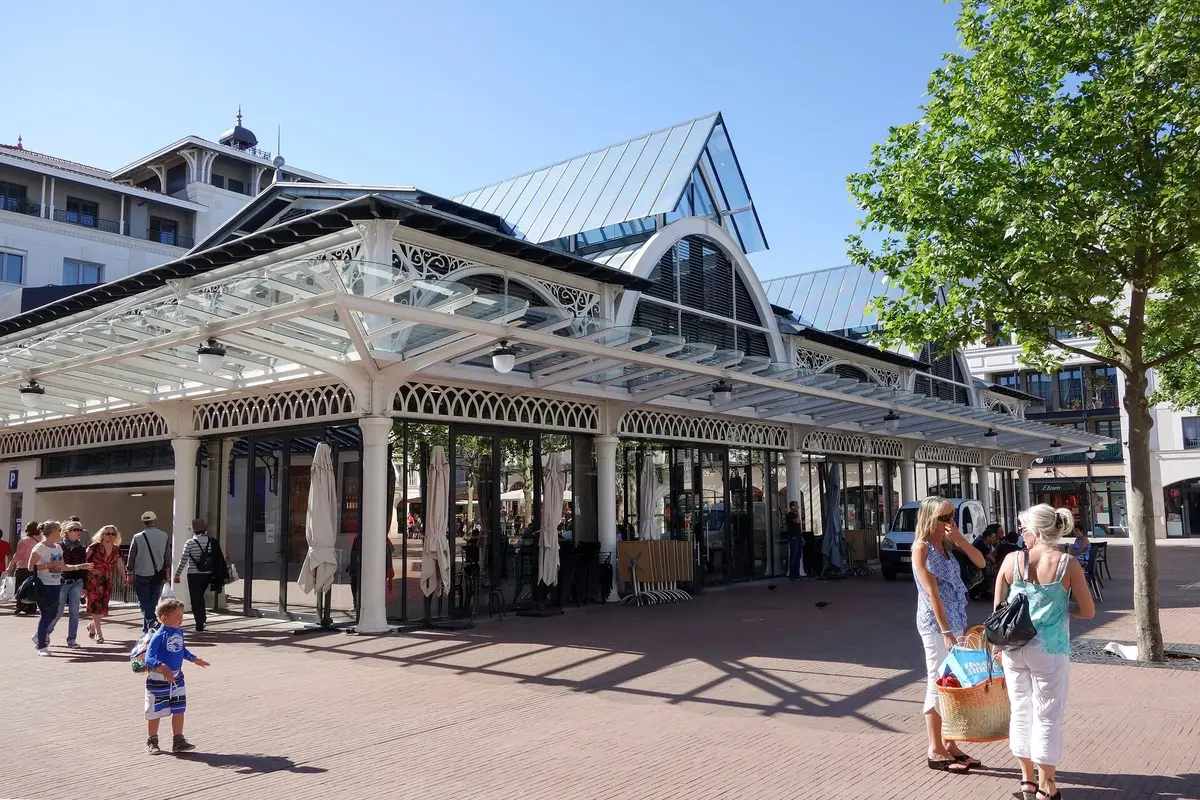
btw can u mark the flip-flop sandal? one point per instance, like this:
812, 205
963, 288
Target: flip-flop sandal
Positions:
948, 765
1056, 796
91, 630
963, 758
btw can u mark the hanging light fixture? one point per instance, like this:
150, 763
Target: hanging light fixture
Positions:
1091, 455
891, 421
992, 436
32, 395
504, 358
211, 355
1055, 446
721, 393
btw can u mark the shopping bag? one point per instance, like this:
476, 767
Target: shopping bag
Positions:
8, 589
137, 656
168, 592
970, 666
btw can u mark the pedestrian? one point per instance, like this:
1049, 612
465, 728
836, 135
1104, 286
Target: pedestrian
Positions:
104, 554
199, 557
1037, 675
19, 567
941, 615
795, 534
75, 568
46, 561
148, 560
166, 695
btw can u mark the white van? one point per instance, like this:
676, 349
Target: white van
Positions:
895, 555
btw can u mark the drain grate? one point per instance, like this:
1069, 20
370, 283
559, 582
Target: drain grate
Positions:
1179, 656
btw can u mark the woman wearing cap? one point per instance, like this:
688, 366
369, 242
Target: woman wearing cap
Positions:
104, 554
75, 568
199, 557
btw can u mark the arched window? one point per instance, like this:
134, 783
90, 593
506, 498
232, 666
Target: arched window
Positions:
697, 276
948, 368
852, 372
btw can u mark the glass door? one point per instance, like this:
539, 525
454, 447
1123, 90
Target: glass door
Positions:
740, 566
266, 539
711, 544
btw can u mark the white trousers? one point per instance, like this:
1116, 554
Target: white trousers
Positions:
1037, 691
935, 656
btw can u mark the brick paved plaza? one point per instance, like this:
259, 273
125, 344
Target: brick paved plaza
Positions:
744, 692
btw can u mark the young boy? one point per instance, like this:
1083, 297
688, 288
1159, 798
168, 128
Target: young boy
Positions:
165, 693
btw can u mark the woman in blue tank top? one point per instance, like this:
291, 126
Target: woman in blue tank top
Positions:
1038, 674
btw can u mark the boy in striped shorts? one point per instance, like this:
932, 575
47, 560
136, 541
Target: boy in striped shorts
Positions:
166, 695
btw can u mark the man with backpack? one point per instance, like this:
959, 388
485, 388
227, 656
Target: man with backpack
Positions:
205, 564
147, 564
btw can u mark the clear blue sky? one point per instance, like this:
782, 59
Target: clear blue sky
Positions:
449, 96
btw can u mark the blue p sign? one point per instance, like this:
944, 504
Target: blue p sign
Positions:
13, 477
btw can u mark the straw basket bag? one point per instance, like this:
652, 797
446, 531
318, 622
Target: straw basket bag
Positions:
977, 713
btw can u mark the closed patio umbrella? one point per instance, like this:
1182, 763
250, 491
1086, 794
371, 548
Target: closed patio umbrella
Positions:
320, 564
554, 482
435, 548
647, 498
831, 547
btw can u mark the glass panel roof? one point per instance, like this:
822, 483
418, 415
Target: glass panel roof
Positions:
853, 288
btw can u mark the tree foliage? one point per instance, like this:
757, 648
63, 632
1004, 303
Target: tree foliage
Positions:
1052, 183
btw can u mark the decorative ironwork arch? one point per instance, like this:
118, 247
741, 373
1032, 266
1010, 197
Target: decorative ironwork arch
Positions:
331, 401
1007, 461
444, 403
852, 444
648, 424
136, 427
944, 454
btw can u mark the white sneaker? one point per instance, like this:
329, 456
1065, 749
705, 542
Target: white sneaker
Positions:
43, 652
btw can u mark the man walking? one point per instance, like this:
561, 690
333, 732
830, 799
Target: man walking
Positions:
149, 557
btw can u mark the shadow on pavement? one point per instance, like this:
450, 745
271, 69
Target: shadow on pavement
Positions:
250, 763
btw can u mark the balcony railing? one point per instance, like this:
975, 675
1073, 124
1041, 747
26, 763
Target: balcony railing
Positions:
87, 221
1109, 454
20, 207
1104, 397
171, 238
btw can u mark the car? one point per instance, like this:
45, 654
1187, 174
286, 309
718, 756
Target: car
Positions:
895, 554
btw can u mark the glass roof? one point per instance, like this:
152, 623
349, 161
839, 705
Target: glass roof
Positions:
643, 177
832, 300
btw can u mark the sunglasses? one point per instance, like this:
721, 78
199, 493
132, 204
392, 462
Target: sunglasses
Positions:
110, 536
945, 517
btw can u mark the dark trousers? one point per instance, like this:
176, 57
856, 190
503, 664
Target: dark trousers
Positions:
47, 602
148, 590
23, 607
198, 583
795, 555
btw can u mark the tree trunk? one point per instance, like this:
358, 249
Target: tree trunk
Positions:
1141, 520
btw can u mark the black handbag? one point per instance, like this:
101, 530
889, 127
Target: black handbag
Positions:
1010, 627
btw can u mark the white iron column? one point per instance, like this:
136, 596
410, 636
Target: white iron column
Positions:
606, 501
985, 493
372, 597
793, 461
184, 509
1023, 478
908, 492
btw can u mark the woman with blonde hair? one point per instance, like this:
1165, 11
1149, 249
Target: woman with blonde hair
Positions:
1037, 674
104, 554
941, 615
46, 561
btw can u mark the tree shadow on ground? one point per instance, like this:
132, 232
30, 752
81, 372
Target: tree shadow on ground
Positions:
250, 763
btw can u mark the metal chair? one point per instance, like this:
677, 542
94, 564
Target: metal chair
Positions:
1089, 569
1102, 558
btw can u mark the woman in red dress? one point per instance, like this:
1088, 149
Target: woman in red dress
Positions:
105, 554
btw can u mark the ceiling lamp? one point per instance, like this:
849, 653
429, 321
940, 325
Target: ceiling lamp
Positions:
991, 436
211, 355
504, 358
1091, 455
891, 421
32, 395
1055, 446
721, 393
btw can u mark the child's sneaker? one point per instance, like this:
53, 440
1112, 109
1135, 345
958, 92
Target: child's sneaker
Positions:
180, 744
152, 747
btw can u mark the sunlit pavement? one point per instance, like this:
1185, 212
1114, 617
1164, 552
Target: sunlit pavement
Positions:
745, 692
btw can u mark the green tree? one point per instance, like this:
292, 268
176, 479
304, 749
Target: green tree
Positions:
1053, 182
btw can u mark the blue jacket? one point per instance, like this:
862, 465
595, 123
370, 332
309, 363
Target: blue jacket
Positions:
166, 647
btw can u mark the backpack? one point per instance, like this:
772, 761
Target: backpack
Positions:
205, 564
137, 656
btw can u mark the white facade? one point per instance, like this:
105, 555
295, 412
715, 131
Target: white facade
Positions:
64, 224
1174, 465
